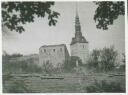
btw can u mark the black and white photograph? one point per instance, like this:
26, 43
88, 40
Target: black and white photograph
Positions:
63, 46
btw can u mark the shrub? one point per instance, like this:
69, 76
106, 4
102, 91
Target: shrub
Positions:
24, 66
93, 61
102, 60
69, 66
48, 67
108, 59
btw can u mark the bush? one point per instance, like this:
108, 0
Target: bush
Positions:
122, 68
69, 66
15, 55
48, 67
93, 61
108, 59
103, 60
25, 66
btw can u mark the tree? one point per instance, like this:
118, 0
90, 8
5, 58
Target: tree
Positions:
16, 14
93, 61
107, 12
108, 58
103, 60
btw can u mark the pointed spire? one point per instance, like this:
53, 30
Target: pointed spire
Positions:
77, 10
77, 22
78, 34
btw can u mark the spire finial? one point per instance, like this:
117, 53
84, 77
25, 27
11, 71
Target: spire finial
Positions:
77, 9
77, 22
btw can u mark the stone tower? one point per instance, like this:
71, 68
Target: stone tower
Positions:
79, 45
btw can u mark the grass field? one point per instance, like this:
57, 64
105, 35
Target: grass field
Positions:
72, 82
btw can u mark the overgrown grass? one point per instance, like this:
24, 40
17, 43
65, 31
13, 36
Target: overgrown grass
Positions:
104, 86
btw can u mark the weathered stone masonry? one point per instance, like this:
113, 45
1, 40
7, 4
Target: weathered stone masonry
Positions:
54, 54
58, 54
79, 45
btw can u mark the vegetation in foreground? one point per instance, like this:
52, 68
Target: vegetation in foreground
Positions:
104, 86
94, 76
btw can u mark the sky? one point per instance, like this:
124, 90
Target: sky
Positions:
40, 33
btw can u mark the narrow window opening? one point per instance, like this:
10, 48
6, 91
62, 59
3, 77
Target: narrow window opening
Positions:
44, 50
60, 49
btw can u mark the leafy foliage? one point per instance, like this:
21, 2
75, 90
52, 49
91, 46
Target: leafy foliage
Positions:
103, 60
14, 55
122, 68
107, 12
94, 59
72, 63
104, 86
24, 66
108, 58
47, 67
15, 14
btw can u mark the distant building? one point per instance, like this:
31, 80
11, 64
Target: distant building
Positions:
56, 55
79, 45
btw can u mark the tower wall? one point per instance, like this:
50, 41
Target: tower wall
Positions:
80, 50
79, 45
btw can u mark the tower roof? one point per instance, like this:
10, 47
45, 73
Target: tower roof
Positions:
78, 34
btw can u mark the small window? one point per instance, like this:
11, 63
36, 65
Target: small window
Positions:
83, 46
54, 50
60, 49
44, 50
